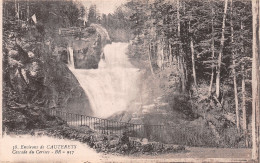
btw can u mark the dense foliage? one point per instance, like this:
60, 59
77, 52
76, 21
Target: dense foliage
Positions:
208, 43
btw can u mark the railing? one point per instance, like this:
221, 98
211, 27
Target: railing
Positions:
69, 31
105, 126
197, 135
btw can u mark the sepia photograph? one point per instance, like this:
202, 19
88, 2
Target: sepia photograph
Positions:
130, 81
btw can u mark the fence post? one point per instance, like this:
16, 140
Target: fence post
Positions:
103, 126
94, 124
112, 126
98, 124
81, 120
107, 127
120, 128
70, 118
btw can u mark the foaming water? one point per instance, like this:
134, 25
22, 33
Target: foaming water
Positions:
112, 86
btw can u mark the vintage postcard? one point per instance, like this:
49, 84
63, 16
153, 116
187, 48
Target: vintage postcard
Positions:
130, 80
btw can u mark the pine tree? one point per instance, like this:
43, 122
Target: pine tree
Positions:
221, 50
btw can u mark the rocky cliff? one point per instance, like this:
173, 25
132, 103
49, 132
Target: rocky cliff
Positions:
87, 45
35, 73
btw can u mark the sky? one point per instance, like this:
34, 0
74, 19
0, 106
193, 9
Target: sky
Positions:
104, 6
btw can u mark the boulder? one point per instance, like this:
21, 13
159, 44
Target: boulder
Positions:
113, 143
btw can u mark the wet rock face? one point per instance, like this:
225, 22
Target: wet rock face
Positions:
35, 76
64, 56
87, 53
63, 90
87, 47
87, 50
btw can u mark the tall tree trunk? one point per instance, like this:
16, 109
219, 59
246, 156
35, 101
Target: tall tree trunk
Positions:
192, 58
181, 58
178, 45
183, 85
235, 93
244, 105
178, 19
169, 53
233, 67
178, 59
162, 54
150, 59
15, 8
244, 126
185, 70
193, 63
256, 80
18, 10
185, 73
212, 49
221, 51
28, 10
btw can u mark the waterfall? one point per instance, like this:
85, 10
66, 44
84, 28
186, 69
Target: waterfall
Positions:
71, 59
113, 86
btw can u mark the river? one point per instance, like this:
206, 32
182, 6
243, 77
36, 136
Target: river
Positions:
113, 86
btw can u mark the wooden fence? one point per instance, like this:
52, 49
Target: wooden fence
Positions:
106, 126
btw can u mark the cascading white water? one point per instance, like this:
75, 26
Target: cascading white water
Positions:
112, 86
71, 59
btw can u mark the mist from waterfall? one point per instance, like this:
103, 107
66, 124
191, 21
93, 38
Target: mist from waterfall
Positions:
113, 86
